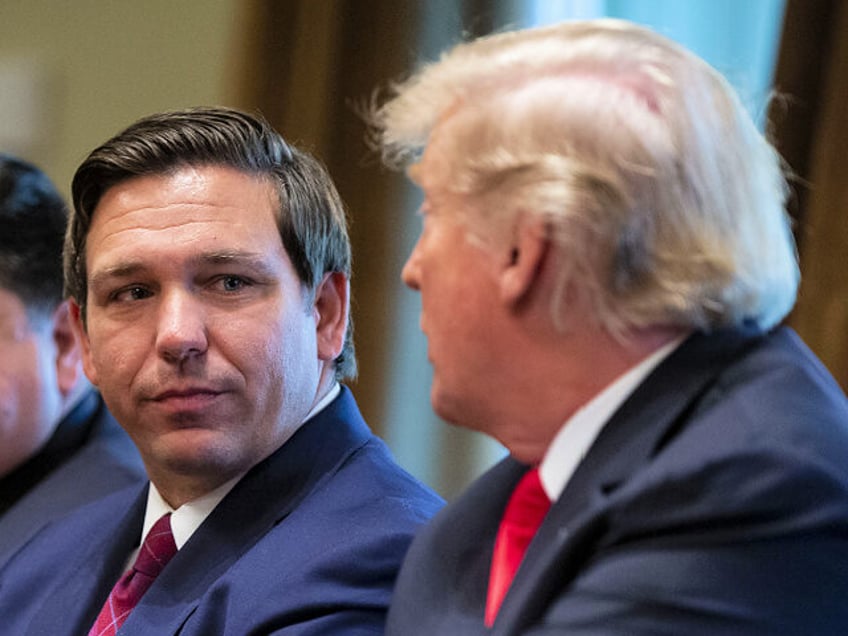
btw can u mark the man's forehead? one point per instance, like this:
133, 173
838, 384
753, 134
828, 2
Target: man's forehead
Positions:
431, 170
436, 165
187, 178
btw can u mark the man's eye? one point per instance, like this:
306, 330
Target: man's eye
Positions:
131, 293
232, 283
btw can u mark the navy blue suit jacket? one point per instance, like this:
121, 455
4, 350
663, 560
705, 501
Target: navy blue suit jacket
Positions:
106, 461
308, 542
715, 501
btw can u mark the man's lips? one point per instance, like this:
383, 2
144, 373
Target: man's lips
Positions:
184, 394
186, 400
190, 402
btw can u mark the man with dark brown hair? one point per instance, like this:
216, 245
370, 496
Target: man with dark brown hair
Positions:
208, 267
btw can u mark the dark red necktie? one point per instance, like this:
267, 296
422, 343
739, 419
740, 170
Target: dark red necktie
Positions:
156, 551
524, 512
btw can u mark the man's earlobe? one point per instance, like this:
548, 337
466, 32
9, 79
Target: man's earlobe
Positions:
527, 256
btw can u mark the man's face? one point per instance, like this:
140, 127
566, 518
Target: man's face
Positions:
457, 277
199, 333
30, 398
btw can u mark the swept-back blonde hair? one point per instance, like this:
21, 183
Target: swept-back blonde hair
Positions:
664, 198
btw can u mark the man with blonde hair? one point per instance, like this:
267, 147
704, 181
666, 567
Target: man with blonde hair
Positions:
604, 263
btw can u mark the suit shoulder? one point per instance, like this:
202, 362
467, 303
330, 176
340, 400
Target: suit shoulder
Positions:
370, 480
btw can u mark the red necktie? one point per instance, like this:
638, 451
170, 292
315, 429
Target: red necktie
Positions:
524, 512
156, 551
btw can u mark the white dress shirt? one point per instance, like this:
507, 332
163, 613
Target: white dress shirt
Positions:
579, 432
188, 517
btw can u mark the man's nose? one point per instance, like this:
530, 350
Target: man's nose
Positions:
410, 272
181, 330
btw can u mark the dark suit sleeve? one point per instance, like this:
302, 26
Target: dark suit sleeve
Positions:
751, 544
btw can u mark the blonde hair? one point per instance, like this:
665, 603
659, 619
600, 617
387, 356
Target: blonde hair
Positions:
664, 198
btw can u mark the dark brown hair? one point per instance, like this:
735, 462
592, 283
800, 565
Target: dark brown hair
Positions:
311, 217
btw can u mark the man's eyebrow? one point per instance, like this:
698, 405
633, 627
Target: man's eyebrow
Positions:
254, 260
413, 172
230, 256
121, 270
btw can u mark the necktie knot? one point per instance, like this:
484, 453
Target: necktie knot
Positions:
157, 549
155, 552
525, 510
528, 503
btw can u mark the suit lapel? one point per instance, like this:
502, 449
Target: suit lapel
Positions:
262, 499
87, 576
477, 515
640, 428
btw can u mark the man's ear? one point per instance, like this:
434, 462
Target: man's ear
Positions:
68, 352
332, 307
83, 343
528, 249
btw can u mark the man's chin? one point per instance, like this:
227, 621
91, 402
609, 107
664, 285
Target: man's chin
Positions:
447, 408
189, 452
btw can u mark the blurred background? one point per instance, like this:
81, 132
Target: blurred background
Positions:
74, 73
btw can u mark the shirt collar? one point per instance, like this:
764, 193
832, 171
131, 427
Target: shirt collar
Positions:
579, 432
188, 517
